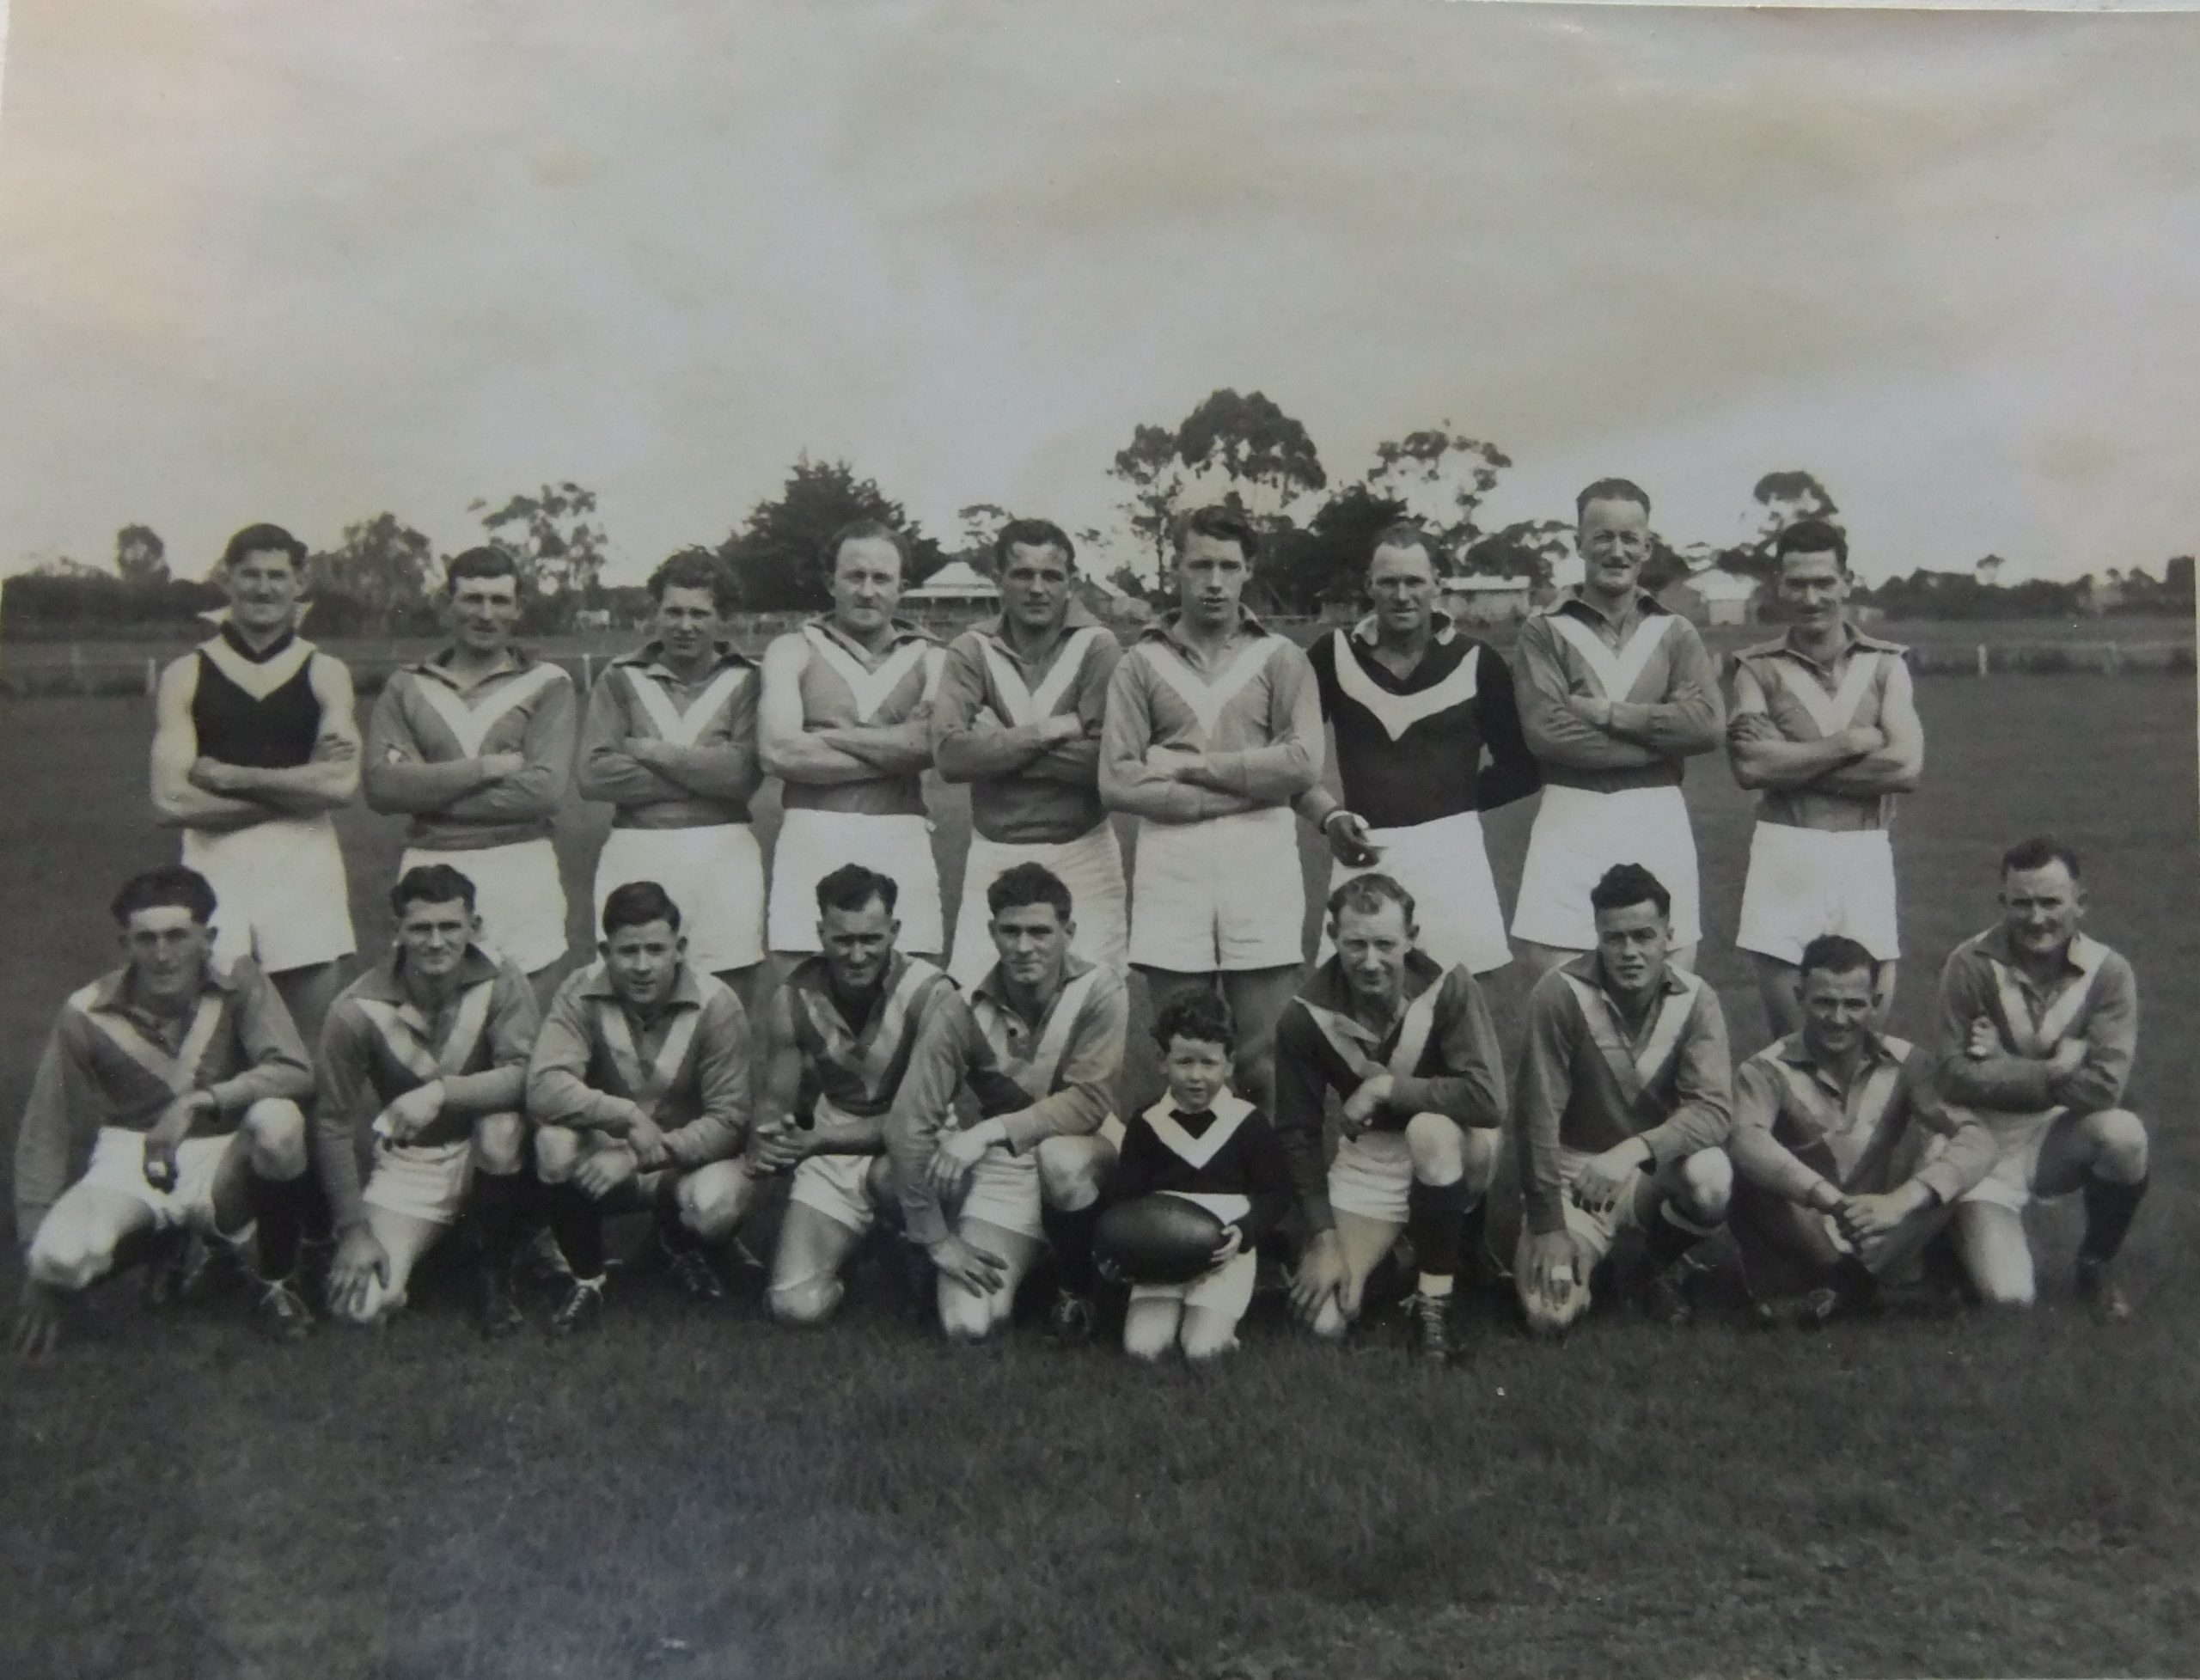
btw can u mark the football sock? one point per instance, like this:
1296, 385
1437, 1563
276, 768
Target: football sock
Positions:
578, 1224
500, 1210
1070, 1233
1433, 1226
1474, 1237
281, 1208
2109, 1208
672, 1231
1668, 1240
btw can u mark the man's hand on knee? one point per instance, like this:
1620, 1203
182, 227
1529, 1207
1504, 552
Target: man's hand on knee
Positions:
39, 1309
1322, 1279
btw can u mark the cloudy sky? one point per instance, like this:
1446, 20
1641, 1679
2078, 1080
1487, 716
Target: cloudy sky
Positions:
267, 260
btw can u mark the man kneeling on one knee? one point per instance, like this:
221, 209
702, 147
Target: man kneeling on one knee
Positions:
1846, 1165
639, 1092
422, 1064
167, 1100
1624, 1100
1410, 1048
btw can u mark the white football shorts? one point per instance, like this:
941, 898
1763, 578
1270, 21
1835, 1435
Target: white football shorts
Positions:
118, 1164
1578, 835
812, 844
1445, 866
1092, 867
715, 874
1805, 882
281, 896
425, 1182
2021, 1137
1223, 894
839, 1187
517, 892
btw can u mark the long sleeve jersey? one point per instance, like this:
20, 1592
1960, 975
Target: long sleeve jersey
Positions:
842, 683
1228, 1151
710, 722
1441, 1053
1588, 1081
2094, 997
686, 1066
108, 1062
424, 718
1664, 691
1807, 701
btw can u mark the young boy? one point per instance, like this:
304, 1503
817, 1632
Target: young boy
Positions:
1210, 1146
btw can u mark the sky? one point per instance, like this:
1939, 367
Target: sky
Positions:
261, 260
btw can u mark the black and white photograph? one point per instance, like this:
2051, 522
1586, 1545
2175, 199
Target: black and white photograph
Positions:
1250, 840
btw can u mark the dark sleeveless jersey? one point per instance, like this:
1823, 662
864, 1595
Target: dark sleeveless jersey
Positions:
270, 731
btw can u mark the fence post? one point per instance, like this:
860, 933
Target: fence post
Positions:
152, 678
1982, 659
588, 672
2115, 661
76, 666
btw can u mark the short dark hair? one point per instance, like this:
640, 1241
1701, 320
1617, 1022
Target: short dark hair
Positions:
1404, 534
1835, 954
486, 561
1221, 524
638, 904
1028, 884
1624, 884
851, 886
431, 883
263, 538
1812, 536
2037, 852
866, 530
1611, 489
1367, 894
158, 888
693, 569
1199, 1015
1032, 534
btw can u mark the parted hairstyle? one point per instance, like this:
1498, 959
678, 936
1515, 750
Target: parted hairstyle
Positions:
1028, 884
1625, 885
864, 530
486, 560
1200, 1016
638, 904
851, 886
171, 885
1033, 534
1221, 524
1404, 534
1611, 489
1367, 895
2037, 852
431, 883
1835, 954
263, 538
1812, 536
693, 569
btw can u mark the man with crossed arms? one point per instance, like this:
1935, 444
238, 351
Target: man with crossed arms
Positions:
1408, 1046
1036, 1056
1825, 726
670, 741
1615, 693
475, 744
1018, 716
638, 1093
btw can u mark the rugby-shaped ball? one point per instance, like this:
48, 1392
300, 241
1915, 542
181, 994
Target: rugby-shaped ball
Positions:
1158, 1239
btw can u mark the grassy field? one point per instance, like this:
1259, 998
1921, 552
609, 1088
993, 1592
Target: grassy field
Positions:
703, 1495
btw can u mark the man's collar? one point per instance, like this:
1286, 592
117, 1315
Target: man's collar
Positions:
2080, 956
1368, 631
900, 631
438, 664
1852, 640
111, 990
245, 650
1166, 628
995, 629
1586, 967
993, 988
687, 991
1644, 603
1327, 988
1795, 1051
649, 658
385, 981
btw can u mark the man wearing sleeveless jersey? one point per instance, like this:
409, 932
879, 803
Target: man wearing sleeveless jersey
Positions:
2039, 1024
1414, 702
1624, 1099
1616, 694
1018, 716
638, 1093
475, 744
838, 1039
422, 1070
844, 720
1825, 724
167, 1100
1407, 1046
1213, 729
254, 744
1846, 1165
670, 741
1037, 1055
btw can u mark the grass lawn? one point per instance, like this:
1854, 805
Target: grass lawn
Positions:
695, 1495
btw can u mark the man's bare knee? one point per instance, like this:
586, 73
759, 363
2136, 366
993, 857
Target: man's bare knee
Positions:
274, 1131
1437, 1149
2119, 1138
1072, 1171
1329, 1323
1707, 1186
967, 1316
499, 1143
557, 1153
809, 1303
65, 1261
713, 1201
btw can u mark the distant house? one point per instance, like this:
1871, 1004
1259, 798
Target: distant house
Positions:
1486, 600
1109, 604
958, 588
1989, 571
1714, 596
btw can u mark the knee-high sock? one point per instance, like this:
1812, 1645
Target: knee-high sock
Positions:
1474, 1237
500, 1214
672, 1230
578, 1224
1670, 1238
2109, 1208
1071, 1234
281, 1208
1433, 1222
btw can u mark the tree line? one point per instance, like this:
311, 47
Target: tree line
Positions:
1243, 450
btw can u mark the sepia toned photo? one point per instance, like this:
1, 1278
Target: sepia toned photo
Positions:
1244, 842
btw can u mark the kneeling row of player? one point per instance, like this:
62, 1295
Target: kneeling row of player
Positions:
168, 1098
